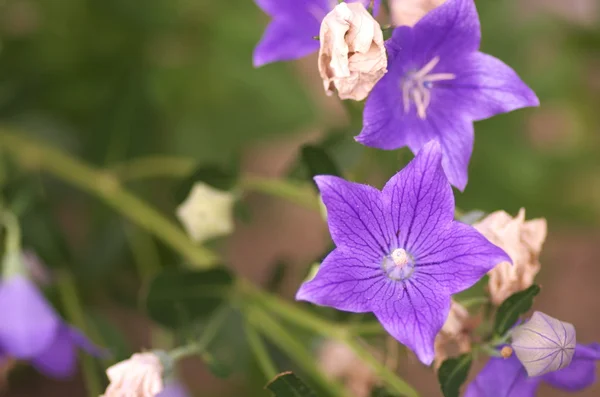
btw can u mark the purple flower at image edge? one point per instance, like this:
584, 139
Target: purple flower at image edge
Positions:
174, 389
508, 378
31, 330
399, 253
293, 28
437, 85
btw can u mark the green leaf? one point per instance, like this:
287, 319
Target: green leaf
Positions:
211, 174
179, 298
318, 161
512, 308
287, 384
453, 373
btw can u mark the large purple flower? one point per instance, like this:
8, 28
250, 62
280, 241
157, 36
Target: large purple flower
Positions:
508, 378
399, 253
31, 330
291, 34
437, 84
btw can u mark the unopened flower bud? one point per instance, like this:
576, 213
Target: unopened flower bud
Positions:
207, 212
544, 344
352, 57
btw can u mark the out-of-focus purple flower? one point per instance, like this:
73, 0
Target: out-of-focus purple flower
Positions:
31, 330
399, 253
293, 28
437, 84
508, 378
174, 389
544, 344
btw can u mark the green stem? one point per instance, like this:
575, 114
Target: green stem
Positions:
289, 345
478, 300
260, 352
210, 331
104, 185
154, 167
76, 316
13, 231
300, 194
307, 320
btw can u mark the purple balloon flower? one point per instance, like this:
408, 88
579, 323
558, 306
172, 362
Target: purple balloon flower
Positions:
291, 34
399, 253
508, 378
437, 84
31, 330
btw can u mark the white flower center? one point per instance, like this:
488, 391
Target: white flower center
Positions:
399, 265
416, 86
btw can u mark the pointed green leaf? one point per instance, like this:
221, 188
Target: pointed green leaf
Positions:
453, 373
287, 384
177, 298
513, 307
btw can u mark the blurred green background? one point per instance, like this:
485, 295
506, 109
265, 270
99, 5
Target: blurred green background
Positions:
113, 80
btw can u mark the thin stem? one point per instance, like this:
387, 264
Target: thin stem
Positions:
470, 302
104, 185
13, 231
289, 345
210, 331
75, 314
307, 320
300, 194
154, 167
260, 352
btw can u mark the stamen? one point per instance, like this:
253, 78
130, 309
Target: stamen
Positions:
400, 257
416, 87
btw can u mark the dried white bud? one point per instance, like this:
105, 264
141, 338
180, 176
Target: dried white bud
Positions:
544, 344
522, 240
207, 212
139, 376
409, 12
352, 56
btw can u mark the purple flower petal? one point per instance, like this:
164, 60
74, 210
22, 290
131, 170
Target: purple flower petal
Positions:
503, 378
60, 358
82, 342
436, 86
421, 200
356, 217
345, 281
29, 324
448, 31
414, 313
458, 258
486, 86
291, 34
581, 373
287, 39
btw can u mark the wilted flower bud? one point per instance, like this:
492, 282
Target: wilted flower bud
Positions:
207, 212
522, 240
454, 336
409, 12
544, 344
139, 376
352, 56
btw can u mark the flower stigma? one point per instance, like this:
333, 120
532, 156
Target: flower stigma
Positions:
416, 87
399, 265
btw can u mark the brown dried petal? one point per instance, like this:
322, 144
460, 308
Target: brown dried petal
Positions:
352, 57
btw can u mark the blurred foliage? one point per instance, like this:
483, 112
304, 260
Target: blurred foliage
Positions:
113, 80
